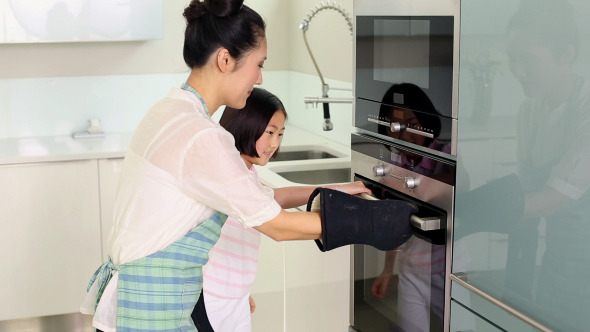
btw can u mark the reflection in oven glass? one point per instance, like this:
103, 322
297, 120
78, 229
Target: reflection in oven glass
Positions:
409, 289
419, 121
405, 287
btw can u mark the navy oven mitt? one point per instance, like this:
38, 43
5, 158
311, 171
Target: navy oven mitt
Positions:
348, 219
495, 207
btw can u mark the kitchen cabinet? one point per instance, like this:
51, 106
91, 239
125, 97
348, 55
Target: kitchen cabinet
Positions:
536, 261
269, 288
50, 241
471, 312
317, 287
109, 171
460, 313
300, 288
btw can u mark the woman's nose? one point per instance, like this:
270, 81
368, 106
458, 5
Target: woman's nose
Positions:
259, 80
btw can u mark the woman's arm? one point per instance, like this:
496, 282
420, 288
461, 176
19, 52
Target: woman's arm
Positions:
301, 225
543, 203
297, 225
291, 197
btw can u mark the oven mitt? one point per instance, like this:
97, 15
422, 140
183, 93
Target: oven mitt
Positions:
494, 207
348, 219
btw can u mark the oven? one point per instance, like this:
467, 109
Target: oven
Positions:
404, 289
404, 146
406, 56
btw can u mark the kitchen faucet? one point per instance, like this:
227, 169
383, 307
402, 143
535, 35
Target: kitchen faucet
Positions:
324, 99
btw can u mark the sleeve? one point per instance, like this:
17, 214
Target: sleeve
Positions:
214, 173
570, 175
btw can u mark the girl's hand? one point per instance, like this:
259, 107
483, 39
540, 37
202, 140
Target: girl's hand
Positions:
353, 188
252, 305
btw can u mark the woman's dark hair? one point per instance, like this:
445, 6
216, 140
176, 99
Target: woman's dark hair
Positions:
212, 24
249, 123
552, 21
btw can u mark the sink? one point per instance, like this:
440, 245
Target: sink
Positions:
318, 176
302, 155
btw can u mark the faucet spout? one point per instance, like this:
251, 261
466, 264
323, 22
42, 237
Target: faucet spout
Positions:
329, 100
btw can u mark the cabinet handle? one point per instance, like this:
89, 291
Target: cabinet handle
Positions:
460, 278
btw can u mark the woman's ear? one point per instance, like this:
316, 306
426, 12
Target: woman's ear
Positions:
568, 55
225, 62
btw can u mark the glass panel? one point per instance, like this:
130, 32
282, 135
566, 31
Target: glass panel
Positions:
522, 221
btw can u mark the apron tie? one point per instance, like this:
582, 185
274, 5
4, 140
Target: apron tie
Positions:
103, 275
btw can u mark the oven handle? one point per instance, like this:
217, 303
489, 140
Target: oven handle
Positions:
424, 223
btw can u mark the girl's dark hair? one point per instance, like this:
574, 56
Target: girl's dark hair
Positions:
249, 123
212, 24
417, 101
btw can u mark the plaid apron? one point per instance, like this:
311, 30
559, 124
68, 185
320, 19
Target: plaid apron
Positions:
159, 292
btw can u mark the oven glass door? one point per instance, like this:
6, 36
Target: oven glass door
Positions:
403, 289
415, 51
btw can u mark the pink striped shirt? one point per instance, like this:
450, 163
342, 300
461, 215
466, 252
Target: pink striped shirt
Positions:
233, 261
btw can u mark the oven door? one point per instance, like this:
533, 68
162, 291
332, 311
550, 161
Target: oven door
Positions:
403, 289
413, 54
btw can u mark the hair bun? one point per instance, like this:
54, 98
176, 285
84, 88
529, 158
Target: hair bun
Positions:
223, 8
195, 10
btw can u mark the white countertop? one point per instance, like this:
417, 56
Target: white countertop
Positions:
114, 145
22, 150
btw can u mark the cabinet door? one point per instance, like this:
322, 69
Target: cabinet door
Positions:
50, 238
463, 320
317, 288
268, 290
109, 174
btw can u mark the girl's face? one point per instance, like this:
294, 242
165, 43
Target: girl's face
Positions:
248, 72
269, 142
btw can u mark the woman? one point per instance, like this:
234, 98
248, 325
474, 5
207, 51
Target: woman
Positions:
182, 176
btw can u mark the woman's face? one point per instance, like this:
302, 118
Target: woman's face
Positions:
269, 142
538, 69
247, 73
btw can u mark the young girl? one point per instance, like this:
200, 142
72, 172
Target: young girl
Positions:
228, 276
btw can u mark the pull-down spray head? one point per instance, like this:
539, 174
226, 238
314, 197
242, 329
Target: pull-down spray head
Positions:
304, 26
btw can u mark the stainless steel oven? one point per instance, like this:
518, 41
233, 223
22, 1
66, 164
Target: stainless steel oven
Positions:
405, 289
406, 67
404, 146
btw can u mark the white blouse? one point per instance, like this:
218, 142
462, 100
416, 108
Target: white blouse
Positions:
181, 166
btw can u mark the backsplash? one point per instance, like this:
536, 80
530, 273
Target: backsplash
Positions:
58, 106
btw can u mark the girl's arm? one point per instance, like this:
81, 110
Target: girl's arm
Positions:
291, 197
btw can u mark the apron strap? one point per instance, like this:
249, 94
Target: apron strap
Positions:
102, 275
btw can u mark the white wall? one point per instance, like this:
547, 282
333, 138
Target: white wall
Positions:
328, 37
54, 88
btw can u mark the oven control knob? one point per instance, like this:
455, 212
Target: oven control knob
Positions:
379, 170
410, 182
396, 127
